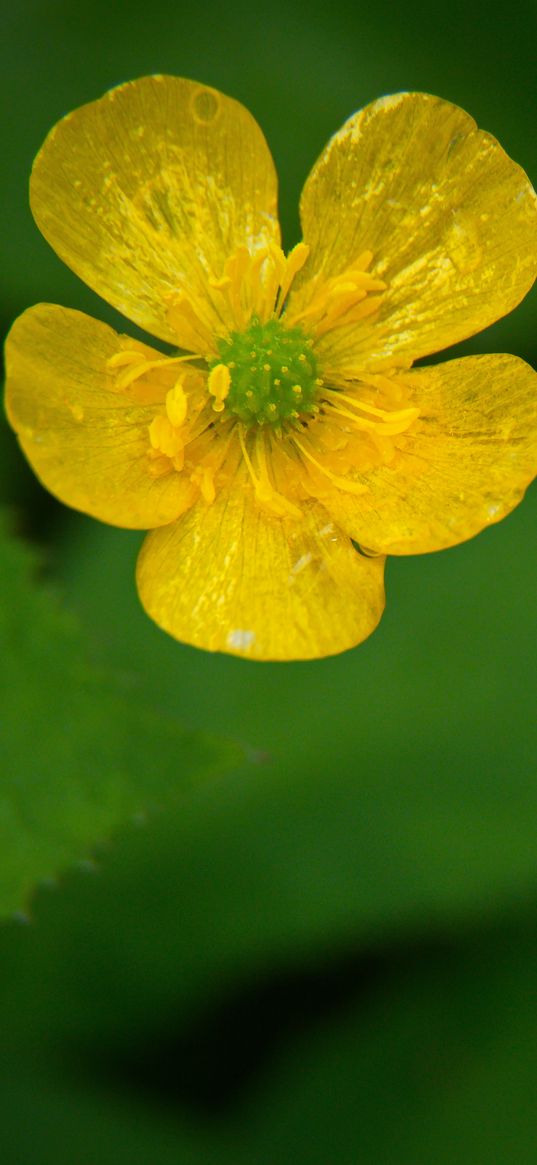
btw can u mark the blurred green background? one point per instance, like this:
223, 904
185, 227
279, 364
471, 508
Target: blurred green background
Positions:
308, 934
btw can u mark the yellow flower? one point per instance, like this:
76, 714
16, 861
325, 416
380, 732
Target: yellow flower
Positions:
287, 422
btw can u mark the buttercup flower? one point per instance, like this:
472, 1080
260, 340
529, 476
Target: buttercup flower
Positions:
287, 421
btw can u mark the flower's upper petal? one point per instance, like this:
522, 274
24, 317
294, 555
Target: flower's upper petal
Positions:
464, 464
147, 191
229, 577
87, 443
450, 219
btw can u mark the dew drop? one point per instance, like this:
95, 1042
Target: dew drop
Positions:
241, 640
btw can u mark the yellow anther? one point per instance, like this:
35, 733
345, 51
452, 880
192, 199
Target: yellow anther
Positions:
369, 283
164, 437
387, 422
265, 491
277, 261
220, 284
231, 283
218, 383
295, 260
179, 460
342, 299
343, 483
188, 316
265, 494
203, 477
363, 261
133, 372
126, 356
366, 308
275, 503
176, 404
258, 282
134, 364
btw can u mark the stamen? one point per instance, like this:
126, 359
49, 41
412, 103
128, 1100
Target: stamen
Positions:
342, 299
336, 318
393, 386
218, 384
406, 416
265, 493
363, 261
342, 483
164, 437
208, 455
203, 477
293, 264
176, 404
257, 284
383, 428
264, 295
230, 284
136, 364
178, 461
125, 356
192, 323
205, 421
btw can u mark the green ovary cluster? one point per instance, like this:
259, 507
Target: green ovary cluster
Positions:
274, 374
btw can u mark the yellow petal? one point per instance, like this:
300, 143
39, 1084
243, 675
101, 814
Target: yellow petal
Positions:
229, 577
464, 464
450, 219
87, 443
147, 191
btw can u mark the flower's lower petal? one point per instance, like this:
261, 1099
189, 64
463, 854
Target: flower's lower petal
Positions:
464, 464
87, 443
147, 191
229, 577
450, 219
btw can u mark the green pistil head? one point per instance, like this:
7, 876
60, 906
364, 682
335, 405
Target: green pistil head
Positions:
274, 374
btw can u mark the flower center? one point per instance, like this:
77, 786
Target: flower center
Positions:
266, 375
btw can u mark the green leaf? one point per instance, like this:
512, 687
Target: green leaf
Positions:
81, 752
